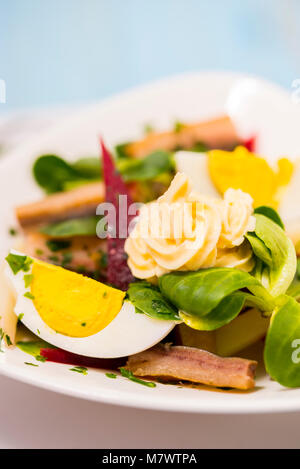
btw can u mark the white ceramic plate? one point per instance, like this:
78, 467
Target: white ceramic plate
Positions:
187, 98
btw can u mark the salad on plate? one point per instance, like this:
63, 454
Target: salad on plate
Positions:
163, 260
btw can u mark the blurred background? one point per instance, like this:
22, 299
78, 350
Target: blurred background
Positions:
58, 52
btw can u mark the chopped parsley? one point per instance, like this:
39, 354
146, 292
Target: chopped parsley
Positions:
148, 129
39, 252
104, 294
83, 324
129, 375
29, 295
53, 258
8, 340
178, 126
31, 364
12, 231
111, 375
1, 338
81, 269
40, 358
27, 279
103, 260
20, 317
80, 369
17, 262
66, 259
57, 244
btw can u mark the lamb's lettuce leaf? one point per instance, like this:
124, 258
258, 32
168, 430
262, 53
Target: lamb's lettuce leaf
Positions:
147, 168
148, 299
54, 174
294, 288
269, 212
85, 226
282, 349
276, 255
260, 249
222, 314
210, 298
89, 167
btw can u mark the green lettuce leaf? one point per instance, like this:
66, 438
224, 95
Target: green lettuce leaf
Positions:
147, 168
148, 300
85, 226
203, 295
294, 288
54, 174
277, 255
269, 212
225, 312
282, 349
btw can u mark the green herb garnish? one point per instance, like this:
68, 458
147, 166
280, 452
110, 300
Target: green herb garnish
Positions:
29, 295
18, 263
27, 279
53, 259
12, 231
80, 369
111, 375
103, 260
1, 338
148, 129
57, 244
178, 127
8, 340
66, 258
200, 147
40, 358
129, 375
31, 364
20, 317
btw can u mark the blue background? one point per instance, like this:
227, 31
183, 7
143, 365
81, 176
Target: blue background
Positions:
62, 51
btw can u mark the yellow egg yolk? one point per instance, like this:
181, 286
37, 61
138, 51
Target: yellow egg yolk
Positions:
72, 304
251, 173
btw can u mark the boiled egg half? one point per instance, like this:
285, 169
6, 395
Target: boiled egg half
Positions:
79, 314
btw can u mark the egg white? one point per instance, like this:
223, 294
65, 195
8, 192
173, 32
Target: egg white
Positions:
195, 166
127, 334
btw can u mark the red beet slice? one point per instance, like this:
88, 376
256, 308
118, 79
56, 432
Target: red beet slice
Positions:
250, 144
58, 355
118, 272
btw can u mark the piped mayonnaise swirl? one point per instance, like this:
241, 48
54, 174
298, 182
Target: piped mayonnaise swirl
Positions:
184, 230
